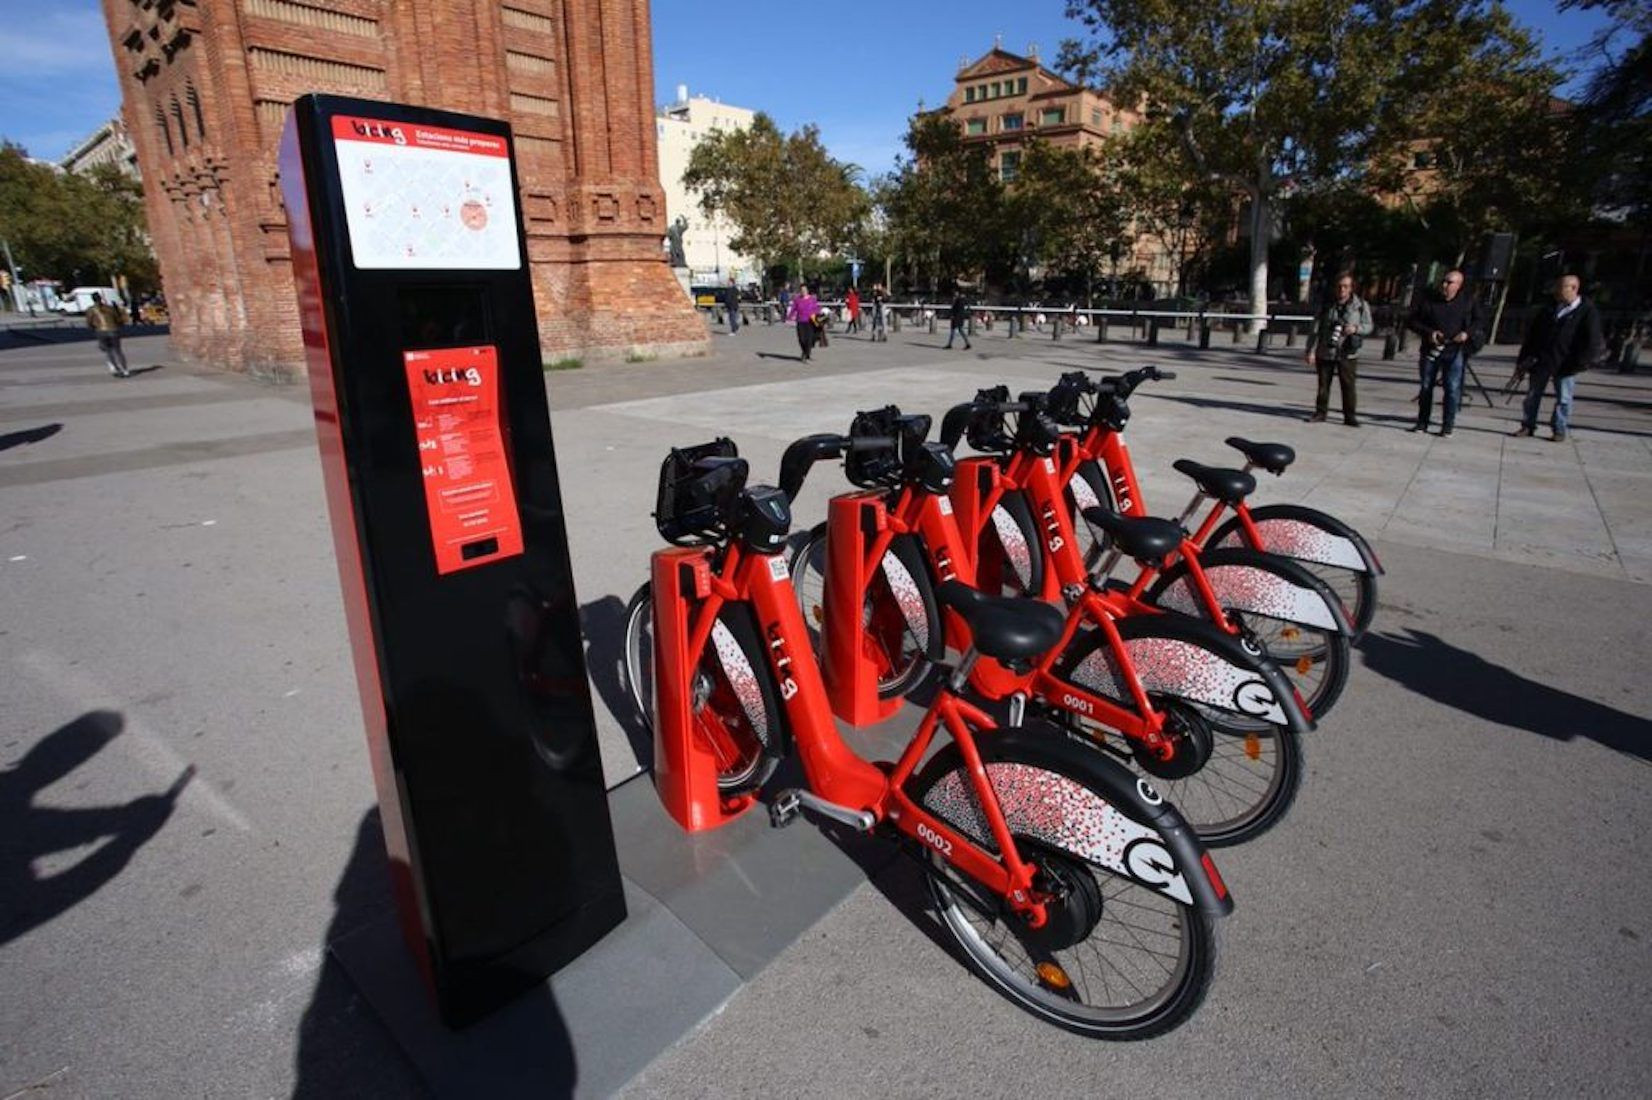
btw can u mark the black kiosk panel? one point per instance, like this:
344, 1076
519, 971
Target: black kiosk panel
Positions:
447, 518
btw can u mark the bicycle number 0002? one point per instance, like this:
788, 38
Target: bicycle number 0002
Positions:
936, 840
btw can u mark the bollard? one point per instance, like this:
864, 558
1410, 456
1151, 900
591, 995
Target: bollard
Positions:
1235, 331
1403, 333
1055, 329
1204, 333
1261, 340
1152, 332
1290, 336
1101, 329
969, 325
1010, 321
1390, 346
895, 319
932, 322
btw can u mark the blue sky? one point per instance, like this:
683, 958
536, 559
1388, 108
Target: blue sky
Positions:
857, 78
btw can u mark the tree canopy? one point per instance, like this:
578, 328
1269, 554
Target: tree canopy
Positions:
785, 196
77, 229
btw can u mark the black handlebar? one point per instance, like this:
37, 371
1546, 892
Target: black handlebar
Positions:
802, 454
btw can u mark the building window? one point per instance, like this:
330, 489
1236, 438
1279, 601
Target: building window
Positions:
195, 105
1021, 86
995, 87
166, 131
969, 94
1422, 158
178, 113
1012, 122
1053, 116
1008, 165
975, 126
1095, 117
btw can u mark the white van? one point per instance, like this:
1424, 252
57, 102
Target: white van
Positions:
79, 300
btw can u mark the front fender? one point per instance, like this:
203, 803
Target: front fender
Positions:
1248, 580
1075, 799
1188, 659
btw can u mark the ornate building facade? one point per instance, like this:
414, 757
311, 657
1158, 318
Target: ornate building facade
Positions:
206, 85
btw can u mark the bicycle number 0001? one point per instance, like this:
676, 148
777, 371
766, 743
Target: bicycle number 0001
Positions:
936, 840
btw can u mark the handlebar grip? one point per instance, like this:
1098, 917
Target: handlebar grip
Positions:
872, 443
804, 453
1163, 375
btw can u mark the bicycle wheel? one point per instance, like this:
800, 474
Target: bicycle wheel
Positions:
733, 705
1116, 959
1231, 782
900, 620
1246, 781
1088, 488
1009, 556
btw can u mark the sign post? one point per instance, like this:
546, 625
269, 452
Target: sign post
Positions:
424, 365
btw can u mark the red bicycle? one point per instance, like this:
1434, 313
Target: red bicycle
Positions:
1071, 886
1102, 474
1273, 605
1219, 726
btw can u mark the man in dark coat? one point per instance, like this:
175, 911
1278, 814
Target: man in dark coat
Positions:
731, 302
1449, 324
1563, 341
959, 315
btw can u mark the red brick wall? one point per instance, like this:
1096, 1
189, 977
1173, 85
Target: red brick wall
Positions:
574, 77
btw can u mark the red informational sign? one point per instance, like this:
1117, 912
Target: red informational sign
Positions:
467, 477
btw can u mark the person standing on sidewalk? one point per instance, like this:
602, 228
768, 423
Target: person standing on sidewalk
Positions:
1562, 343
1333, 348
960, 320
105, 320
851, 302
879, 305
1449, 324
803, 309
731, 302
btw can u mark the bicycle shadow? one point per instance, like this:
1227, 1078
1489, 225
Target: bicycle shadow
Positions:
603, 622
1456, 677
31, 832
29, 436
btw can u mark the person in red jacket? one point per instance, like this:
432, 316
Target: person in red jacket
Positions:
851, 302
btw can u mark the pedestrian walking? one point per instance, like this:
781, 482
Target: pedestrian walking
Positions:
1449, 324
105, 321
851, 302
784, 297
959, 313
731, 302
802, 310
1563, 341
1333, 348
880, 334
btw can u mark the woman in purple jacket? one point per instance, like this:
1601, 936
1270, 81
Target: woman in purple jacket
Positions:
803, 310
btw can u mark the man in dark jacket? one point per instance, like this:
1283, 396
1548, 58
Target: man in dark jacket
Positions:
1562, 343
959, 313
1449, 324
731, 302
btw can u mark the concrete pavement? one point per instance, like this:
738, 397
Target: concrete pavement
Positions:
1456, 904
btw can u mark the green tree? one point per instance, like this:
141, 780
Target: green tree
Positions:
78, 229
1069, 203
1613, 138
1185, 211
786, 197
1271, 95
945, 205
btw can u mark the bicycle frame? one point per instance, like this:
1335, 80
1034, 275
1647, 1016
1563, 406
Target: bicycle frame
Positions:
690, 589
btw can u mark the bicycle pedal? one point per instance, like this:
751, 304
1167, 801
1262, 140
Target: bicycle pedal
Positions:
784, 809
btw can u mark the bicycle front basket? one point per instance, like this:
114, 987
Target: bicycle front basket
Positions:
698, 488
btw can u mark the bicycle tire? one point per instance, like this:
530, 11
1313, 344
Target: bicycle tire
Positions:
734, 706
1356, 588
1240, 790
1112, 921
905, 657
1087, 488
1009, 554
1313, 658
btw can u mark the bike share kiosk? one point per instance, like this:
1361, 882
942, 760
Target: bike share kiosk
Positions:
424, 364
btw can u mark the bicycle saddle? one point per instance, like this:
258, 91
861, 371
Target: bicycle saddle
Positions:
1227, 486
1146, 538
1272, 457
1008, 628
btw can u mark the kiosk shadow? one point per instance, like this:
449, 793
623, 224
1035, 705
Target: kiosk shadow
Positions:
604, 624
349, 1046
28, 435
28, 831
1458, 678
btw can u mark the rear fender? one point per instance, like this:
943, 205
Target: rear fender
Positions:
1292, 531
1185, 658
1248, 580
1080, 802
